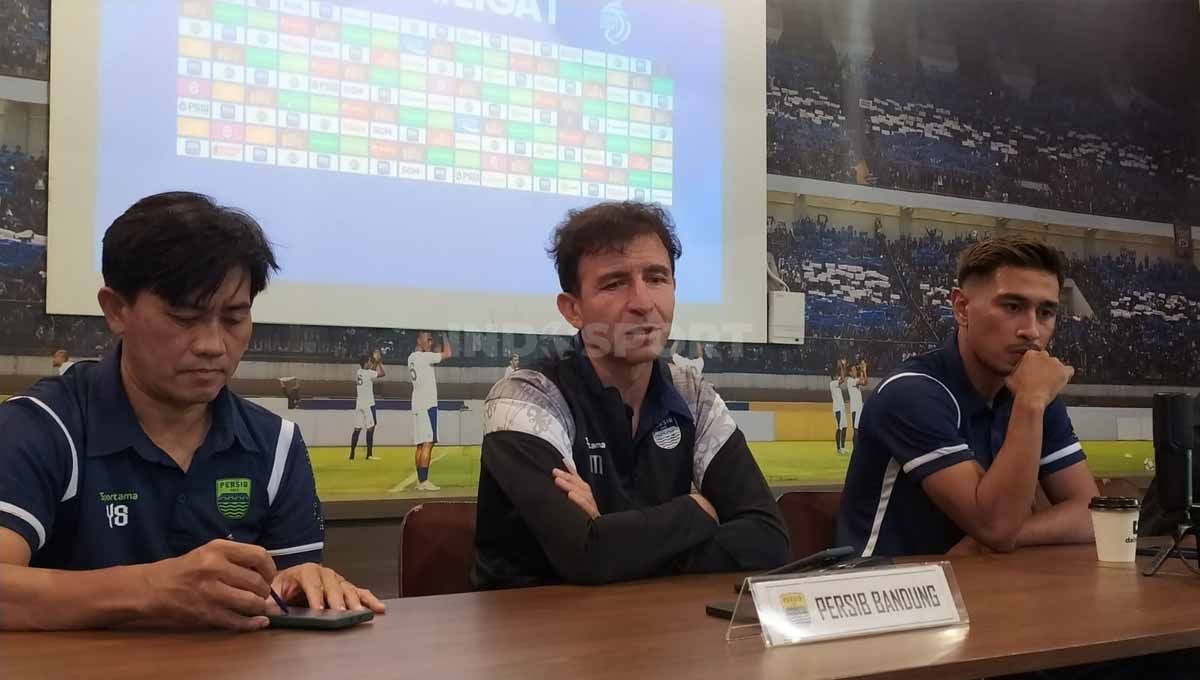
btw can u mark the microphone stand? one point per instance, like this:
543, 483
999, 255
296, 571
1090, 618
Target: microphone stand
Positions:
1182, 531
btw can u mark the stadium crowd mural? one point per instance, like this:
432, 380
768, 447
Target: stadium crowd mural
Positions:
25, 39
945, 135
872, 296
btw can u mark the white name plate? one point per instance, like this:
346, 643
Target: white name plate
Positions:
852, 603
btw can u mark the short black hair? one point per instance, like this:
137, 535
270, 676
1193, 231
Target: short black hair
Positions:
364, 360
606, 227
982, 259
181, 245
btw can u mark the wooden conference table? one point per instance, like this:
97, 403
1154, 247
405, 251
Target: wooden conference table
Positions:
1036, 608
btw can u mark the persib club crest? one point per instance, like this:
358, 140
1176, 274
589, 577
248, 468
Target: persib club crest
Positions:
615, 23
233, 497
667, 435
795, 607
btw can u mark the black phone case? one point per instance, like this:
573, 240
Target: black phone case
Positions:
724, 611
834, 563
320, 619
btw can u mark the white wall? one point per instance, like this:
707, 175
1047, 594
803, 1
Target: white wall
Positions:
395, 428
757, 426
333, 428
1111, 423
40, 366
852, 192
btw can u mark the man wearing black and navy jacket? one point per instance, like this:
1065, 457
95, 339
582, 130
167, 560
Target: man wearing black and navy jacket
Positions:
607, 464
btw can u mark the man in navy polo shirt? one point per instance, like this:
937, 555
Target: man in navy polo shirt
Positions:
139, 489
954, 443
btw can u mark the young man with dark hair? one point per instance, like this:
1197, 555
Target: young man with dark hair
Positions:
607, 463
955, 442
370, 369
139, 489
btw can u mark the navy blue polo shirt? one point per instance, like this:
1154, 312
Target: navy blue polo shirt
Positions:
924, 417
663, 411
87, 489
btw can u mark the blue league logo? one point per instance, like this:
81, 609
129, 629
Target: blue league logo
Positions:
615, 22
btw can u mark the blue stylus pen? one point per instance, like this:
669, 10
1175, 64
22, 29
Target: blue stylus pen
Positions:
279, 601
274, 595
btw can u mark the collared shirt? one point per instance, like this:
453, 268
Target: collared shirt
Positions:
922, 418
663, 413
87, 488
560, 415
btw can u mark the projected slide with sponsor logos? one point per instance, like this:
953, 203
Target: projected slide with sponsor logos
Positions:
415, 154
380, 94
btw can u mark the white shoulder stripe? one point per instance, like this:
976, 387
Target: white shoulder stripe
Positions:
885, 495
30, 519
73, 484
287, 431
932, 456
296, 550
506, 414
1061, 453
714, 424
957, 410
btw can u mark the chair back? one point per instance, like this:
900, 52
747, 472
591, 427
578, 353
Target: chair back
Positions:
437, 548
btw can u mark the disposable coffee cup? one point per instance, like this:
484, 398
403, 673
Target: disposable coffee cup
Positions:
1114, 519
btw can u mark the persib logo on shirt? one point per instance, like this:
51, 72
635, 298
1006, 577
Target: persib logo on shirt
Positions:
667, 434
233, 497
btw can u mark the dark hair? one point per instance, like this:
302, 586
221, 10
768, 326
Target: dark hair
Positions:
364, 360
181, 246
606, 227
1010, 250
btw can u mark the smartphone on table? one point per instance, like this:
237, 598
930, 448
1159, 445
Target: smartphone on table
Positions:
320, 619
